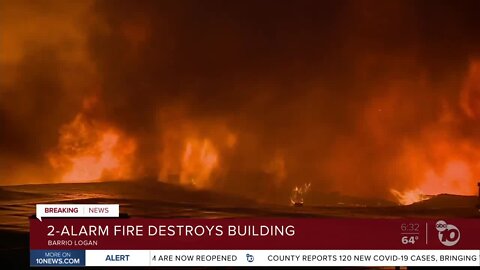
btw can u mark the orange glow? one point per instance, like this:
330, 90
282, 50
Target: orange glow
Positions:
199, 160
409, 197
470, 94
194, 153
438, 163
392, 153
441, 161
277, 167
89, 151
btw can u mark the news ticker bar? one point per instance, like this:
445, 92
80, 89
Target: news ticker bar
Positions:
156, 258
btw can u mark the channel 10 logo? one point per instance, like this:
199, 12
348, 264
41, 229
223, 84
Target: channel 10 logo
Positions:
448, 234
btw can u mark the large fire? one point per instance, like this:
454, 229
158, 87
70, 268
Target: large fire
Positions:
434, 160
356, 103
442, 161
439, 165
91, 151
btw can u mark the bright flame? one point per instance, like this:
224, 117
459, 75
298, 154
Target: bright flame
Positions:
193, 153
89, 151
409, 197
298, 194
199, 160
440, 164
446, 162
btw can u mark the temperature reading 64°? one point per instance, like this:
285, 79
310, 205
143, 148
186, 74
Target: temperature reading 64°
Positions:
409, 239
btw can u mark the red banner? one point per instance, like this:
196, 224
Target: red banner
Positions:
250, 234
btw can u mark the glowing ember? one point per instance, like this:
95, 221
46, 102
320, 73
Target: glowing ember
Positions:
199, 160
409, 197
89, 151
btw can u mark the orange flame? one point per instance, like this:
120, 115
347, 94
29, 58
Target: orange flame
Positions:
194, 152
199, 160
409, 197
438, 163
298, 194
90, 151
441, 161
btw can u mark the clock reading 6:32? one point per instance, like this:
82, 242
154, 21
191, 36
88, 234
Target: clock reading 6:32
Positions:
410, 227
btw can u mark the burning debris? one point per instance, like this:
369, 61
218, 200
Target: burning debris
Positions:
298, 194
